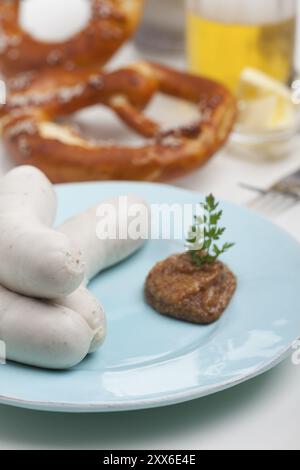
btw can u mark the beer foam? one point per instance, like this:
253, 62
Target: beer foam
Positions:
245, 11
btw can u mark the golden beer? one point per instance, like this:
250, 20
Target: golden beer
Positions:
223, 49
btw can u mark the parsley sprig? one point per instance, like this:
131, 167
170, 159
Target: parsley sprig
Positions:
205, 233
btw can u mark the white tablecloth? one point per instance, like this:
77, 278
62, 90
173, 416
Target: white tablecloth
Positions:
262, 414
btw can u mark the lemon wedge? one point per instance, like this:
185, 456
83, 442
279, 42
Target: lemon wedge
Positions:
265, 103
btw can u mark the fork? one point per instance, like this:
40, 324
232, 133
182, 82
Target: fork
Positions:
279, 198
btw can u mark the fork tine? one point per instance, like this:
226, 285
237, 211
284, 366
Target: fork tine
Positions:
252, 188
272, 204
279, 198
287, 203
277, 201
281, 204
262, 202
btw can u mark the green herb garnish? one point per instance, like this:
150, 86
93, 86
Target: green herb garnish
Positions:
204, 234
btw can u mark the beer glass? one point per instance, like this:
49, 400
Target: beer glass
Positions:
226, 36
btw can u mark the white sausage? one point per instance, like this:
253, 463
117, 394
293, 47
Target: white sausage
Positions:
86, 304
98, 254
52, 335
36, 260
43, 334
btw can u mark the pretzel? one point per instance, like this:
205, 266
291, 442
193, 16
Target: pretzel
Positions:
112, 22
32, 137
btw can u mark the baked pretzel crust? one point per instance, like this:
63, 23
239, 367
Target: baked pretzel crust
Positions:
112, 22
32, 137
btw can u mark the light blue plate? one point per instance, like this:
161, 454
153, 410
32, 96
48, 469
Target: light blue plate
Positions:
150, 360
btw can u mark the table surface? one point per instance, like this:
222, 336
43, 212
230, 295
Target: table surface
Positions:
263, 413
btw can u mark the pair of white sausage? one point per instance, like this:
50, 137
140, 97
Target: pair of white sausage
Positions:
39, 262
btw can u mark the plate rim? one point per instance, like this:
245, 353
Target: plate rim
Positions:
135, 405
